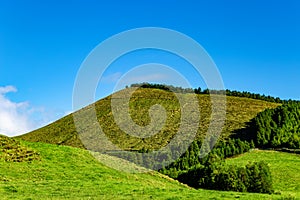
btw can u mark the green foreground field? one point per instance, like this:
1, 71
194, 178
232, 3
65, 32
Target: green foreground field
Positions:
72, 173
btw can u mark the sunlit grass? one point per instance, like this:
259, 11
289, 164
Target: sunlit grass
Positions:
72, 173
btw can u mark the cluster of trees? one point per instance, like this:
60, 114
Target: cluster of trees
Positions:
216, 175
183, 159
211, 91
223, 149
278, 128
211, 172
254, 96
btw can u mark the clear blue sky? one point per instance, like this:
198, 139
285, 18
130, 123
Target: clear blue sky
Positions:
254, 43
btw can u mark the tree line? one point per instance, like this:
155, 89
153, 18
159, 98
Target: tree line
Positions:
211, 172
199, 90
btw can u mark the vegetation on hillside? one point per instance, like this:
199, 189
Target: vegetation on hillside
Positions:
11, 150
254, 177
211, 173
277, 128
199, 90
191, 158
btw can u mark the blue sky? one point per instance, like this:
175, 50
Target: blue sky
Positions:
255, 45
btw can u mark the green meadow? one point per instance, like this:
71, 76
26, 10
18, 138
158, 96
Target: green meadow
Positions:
64, 172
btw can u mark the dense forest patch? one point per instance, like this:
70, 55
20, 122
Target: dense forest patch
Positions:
277, 128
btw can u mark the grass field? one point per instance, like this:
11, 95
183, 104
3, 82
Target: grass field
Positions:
72, 173
285, 169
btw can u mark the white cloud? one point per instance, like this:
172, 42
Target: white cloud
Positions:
17, 117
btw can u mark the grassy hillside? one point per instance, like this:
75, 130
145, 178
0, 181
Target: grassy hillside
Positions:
13, 151
71, 173
285, 168
239, 112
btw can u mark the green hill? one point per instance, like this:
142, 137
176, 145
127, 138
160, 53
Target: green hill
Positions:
239, 112
58, 171
64, 172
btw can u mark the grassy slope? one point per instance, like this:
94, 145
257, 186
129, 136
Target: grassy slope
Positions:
239, 112
285, 169
71, 173
12, 150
